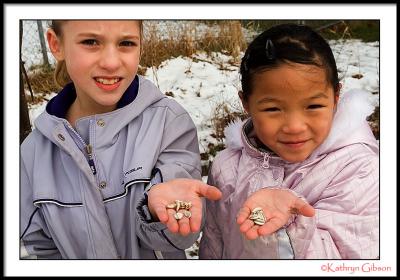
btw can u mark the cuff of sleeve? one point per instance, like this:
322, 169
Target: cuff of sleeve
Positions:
143, 209
145, 217
157, 178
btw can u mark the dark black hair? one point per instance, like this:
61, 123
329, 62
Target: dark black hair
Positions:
287, 43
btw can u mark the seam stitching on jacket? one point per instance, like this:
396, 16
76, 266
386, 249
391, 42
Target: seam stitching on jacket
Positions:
29, 223
169, 241
127, 185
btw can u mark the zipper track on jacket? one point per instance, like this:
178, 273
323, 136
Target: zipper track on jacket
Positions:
84, 147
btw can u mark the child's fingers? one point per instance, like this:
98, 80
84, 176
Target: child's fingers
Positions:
270, 226
243, 214
252, 233
184, 227
246, 225
207, 191
195, 219
172, 223
304, 208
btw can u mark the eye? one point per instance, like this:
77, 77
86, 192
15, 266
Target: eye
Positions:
315, 106
272, 109
127, 44
89, 42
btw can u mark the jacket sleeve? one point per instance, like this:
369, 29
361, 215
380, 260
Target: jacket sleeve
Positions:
35, 240
211, 242
179, 158
346, 224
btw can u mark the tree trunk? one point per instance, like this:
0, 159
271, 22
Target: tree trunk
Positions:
25, 124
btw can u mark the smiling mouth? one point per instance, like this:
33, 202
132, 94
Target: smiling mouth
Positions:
296, 144
105, 81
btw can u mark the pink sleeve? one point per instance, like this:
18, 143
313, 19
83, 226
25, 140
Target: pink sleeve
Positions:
346, 224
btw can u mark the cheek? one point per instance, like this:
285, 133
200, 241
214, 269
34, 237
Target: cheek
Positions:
75, 71
134, 65
76, 67
322, 127
132, 62
265, 129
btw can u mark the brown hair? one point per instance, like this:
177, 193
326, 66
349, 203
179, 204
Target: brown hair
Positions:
287, 43
61, 75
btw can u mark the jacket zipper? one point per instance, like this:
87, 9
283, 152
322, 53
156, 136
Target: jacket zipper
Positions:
265, 163
91, 161
87, 147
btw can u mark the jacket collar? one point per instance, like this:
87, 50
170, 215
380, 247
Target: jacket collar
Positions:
146, 95
59, 105
240, 135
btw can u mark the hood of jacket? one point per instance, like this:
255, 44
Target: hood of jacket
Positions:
348, 127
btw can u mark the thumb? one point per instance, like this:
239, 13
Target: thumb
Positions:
208, 191
304, 208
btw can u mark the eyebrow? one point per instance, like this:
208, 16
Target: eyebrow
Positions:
96, 35
319, 95
270, 99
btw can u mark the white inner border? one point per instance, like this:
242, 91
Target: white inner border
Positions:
388, 90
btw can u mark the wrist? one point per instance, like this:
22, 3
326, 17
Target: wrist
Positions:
148, 211
157, 179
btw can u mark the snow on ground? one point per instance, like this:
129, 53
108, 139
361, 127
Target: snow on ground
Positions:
199, 85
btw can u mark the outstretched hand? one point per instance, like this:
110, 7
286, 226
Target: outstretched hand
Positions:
188, 190
277, 204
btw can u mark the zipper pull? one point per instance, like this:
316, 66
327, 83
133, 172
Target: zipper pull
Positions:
265, 163
91, 162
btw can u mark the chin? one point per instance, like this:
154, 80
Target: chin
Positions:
295, 159
110, 100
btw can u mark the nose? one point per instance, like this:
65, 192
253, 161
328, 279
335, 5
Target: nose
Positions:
294, 124
110, 59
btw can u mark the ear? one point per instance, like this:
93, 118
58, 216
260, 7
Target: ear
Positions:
244, 102
336, 99
337, 93
55, 45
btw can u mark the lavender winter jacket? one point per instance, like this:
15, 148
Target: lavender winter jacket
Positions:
78, 206
340, 180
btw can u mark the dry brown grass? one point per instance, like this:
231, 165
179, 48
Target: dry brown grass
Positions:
42, 81
178, 43
222, 117
373, 121
227, 38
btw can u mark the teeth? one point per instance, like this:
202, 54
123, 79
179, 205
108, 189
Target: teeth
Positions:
107, 81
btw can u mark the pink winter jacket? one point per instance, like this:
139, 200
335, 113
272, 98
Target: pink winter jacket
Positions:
340, 180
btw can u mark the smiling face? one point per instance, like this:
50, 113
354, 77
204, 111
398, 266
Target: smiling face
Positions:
101, 57
292, 109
